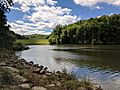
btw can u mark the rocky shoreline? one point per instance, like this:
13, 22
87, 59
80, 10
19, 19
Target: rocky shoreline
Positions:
18, 74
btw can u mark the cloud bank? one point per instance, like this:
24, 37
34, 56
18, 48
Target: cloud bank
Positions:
94, 3
40, 16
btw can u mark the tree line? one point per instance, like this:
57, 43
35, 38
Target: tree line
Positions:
7, 37
99, 30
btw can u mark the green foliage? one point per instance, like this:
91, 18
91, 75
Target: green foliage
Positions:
35, 36
7, 77
102, 30
33, 41
6, 36
5, 5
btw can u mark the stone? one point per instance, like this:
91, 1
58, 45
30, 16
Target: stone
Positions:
3, 64
38, 88
82, 88
21, 78
42, 72
45, 68
44, 76
97, 87
36, 71
31, 62
36, 65
51, 85
48, 74
12, 69
58, 83
24, 86
41, 67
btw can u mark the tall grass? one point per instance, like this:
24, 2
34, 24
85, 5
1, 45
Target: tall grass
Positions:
33, 41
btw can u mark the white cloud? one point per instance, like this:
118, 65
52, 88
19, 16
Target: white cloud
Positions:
94, 3
23, 28
45, 15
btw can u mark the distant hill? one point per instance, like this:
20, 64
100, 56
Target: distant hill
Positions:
99, 30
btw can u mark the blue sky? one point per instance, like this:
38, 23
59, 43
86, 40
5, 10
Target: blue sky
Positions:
41, 16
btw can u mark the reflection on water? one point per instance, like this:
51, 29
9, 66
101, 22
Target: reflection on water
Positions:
100, 63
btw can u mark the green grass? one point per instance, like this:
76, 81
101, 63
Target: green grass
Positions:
33, 41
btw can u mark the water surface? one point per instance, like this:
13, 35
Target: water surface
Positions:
100, 63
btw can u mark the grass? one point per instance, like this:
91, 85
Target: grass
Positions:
33, 41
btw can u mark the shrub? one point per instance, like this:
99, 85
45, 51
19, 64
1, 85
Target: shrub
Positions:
7, 77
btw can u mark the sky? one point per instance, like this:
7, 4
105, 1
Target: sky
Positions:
41, 16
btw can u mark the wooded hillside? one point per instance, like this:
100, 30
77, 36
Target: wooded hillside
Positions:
99, 30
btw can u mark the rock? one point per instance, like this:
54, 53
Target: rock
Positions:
48, 74
3, 64
45, 68
42, 72
31, 62
41, 67
82, 88
12, 69
36, 71
23, 60
51, 85
38, 88
58, 83
44, 76
96, 87
36, 65
24, 86
21, 78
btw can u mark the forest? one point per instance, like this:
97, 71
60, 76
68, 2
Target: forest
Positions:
100, 30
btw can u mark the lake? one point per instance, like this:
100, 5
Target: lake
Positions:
99, 63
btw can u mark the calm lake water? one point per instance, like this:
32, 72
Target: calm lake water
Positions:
100, 63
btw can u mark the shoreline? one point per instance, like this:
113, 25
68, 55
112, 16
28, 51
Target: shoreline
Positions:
30, 76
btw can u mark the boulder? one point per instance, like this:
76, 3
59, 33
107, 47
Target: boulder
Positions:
36, 71
38, 88
36, 65
51, 85
11, 69
82, 88
31, 62
42, 72
3, 64
48, 74
44, 76
97, 87
41, 67
24, 86
58, 83
21, 78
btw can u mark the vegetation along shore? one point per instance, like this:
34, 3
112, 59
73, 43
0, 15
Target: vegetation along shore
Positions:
18, 74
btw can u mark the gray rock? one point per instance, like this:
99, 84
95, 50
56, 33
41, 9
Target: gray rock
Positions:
24, 86
11, 69
58, 83
3, 64
21, 78
82, 88
36, 65
38, 88
48, 74
36, 70
31, 62
51, 85
97, 87
42, 72
44, 76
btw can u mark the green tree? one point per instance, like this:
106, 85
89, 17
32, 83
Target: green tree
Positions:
6, 37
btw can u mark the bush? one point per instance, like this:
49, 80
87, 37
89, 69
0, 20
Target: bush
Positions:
7, 77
